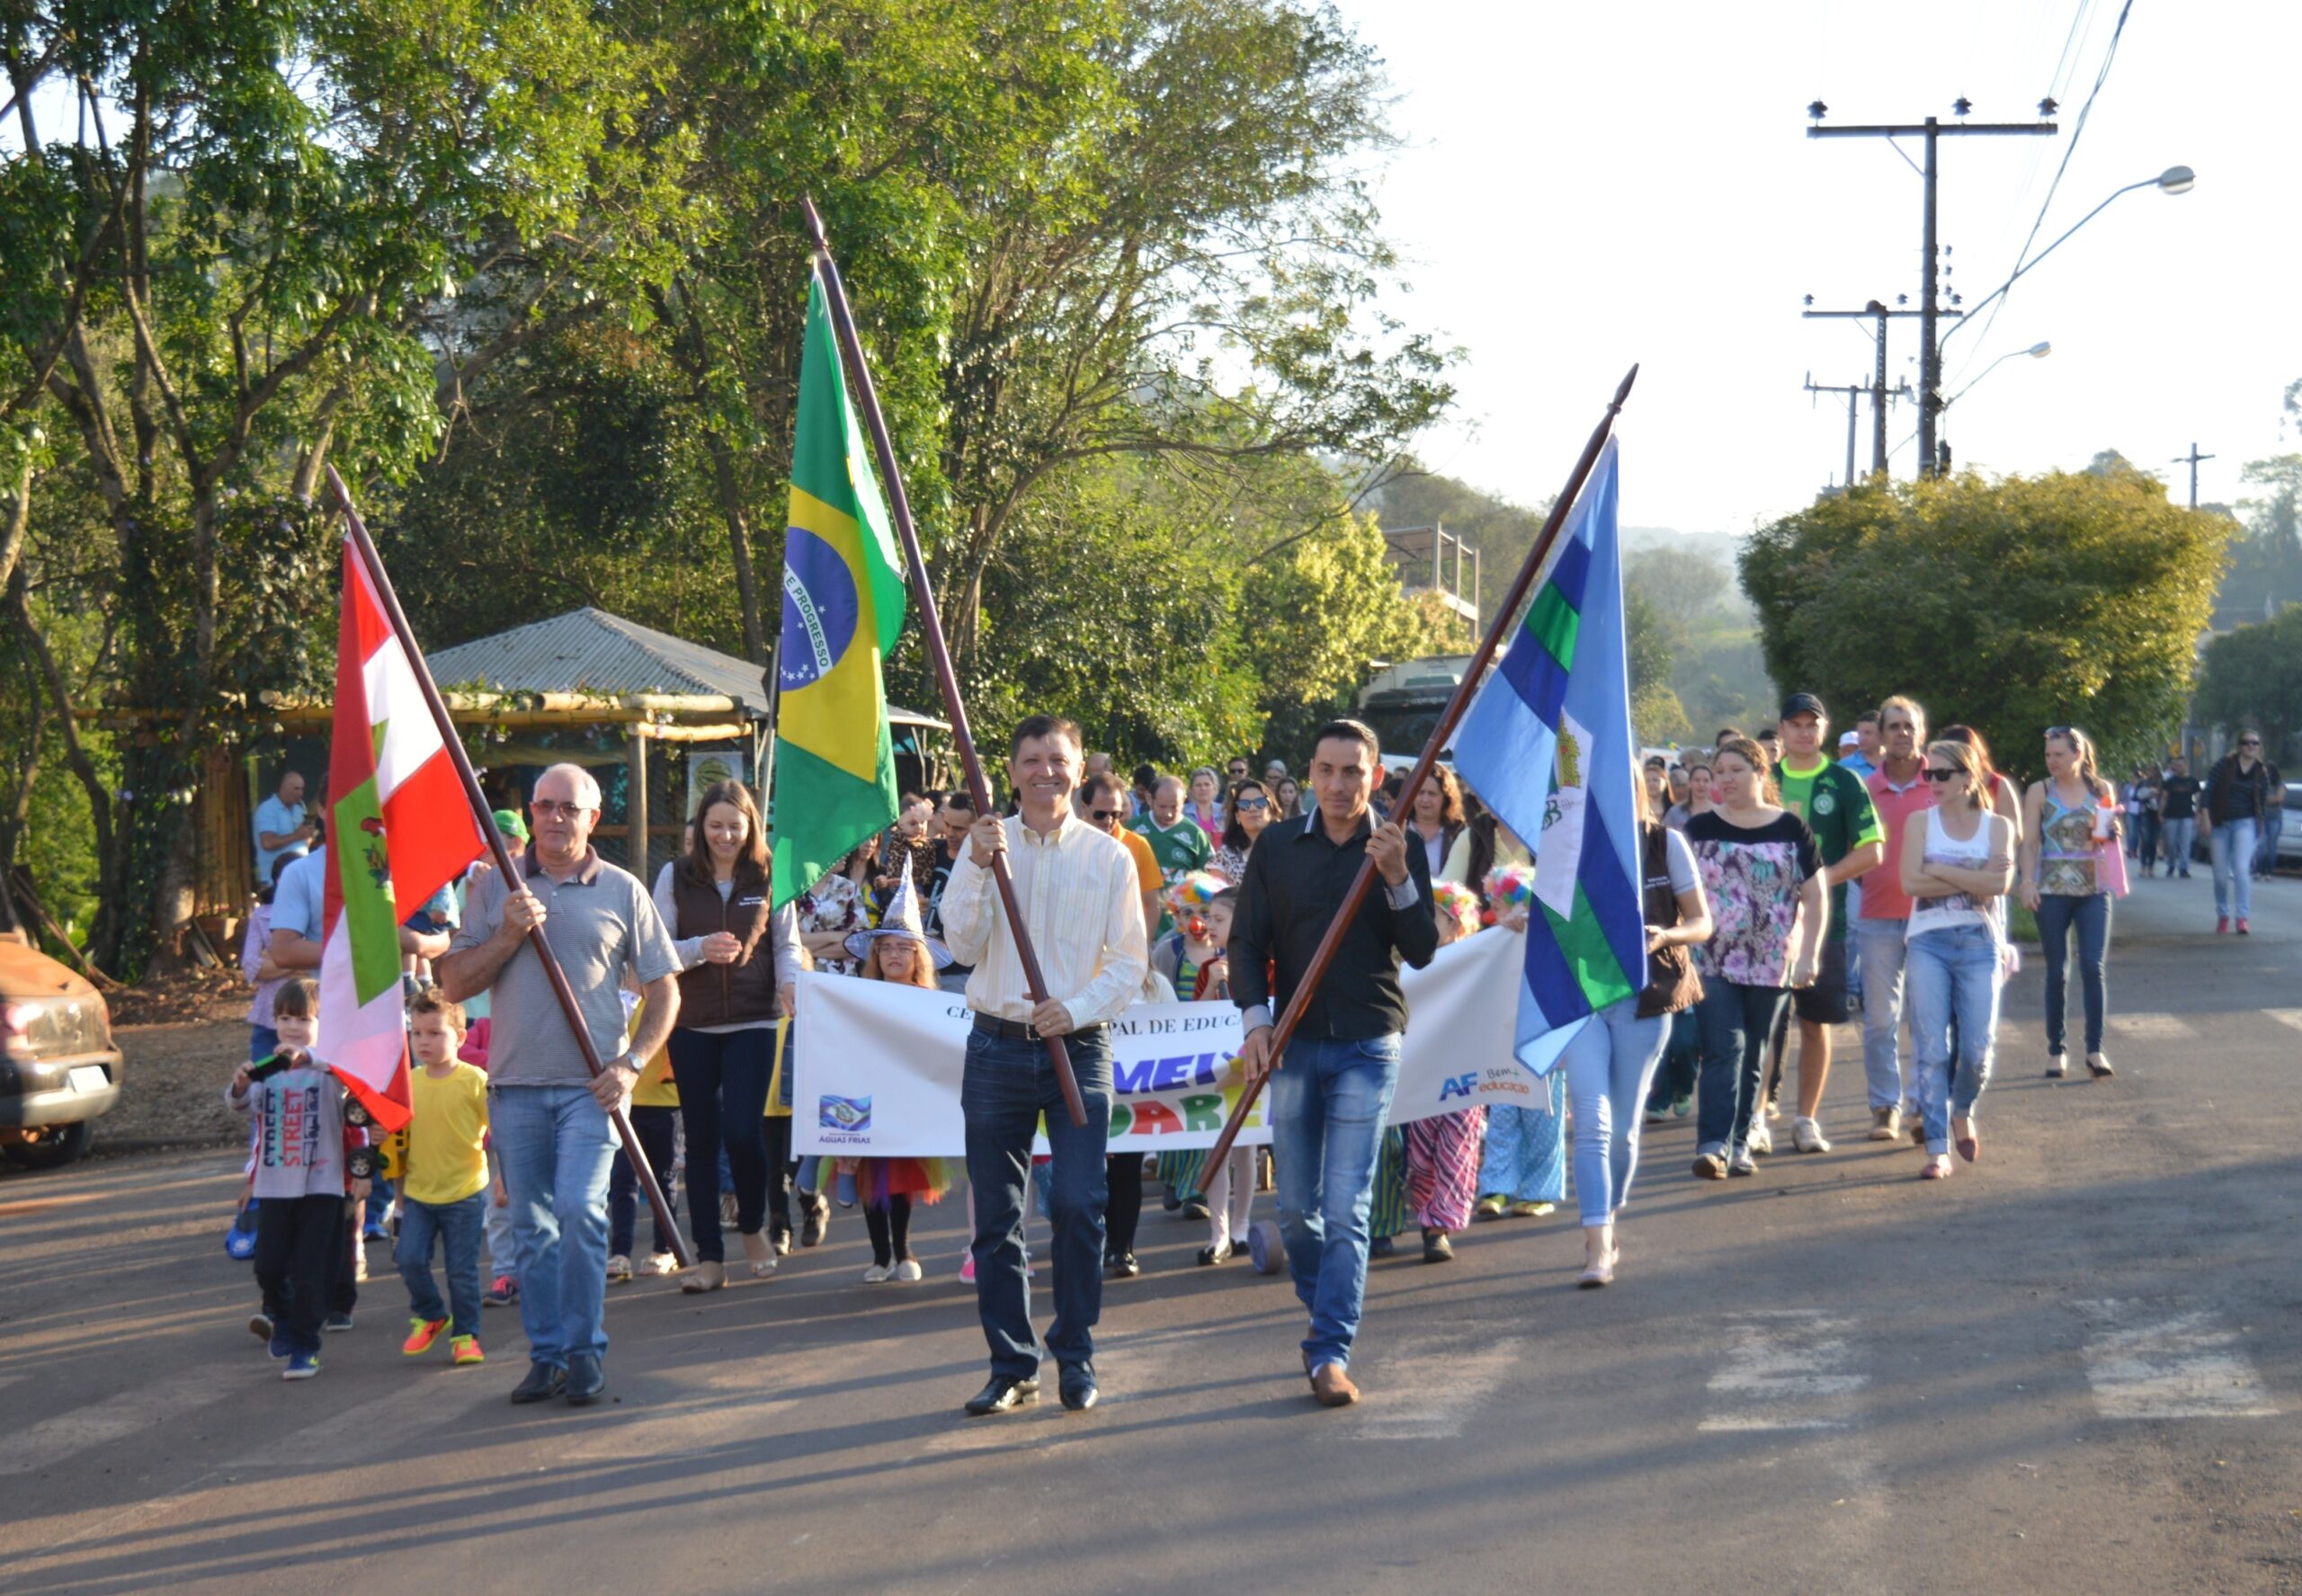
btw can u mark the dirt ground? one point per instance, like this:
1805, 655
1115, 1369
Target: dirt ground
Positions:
172, 1087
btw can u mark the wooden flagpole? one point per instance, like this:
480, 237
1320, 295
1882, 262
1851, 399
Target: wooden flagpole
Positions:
922, 594
1505, 616
485, 817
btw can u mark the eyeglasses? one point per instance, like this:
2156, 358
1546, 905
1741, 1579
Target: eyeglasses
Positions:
2249, 741
545, 809
1934, 775
1103, 817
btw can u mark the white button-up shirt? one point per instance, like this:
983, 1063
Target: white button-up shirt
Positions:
1083, 906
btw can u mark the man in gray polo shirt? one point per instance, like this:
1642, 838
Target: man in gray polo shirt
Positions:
549, 1118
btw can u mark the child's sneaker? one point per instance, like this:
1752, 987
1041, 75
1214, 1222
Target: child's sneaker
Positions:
967, 1270
465, 1349
619, 1271
420, 1333
301, 1366
280, 1347
336, 1322
501, 1290
663, 1263
260, 1326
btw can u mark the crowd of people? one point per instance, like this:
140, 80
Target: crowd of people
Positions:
1779, 883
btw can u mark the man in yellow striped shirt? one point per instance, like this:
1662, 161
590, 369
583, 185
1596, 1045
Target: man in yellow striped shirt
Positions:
1080, 899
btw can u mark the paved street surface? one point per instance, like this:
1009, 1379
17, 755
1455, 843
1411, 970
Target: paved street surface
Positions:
2075, 1367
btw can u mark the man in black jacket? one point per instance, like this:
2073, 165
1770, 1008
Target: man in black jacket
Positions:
1329, 1101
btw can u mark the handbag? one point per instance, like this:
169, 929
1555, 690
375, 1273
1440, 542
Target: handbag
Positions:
2109, 867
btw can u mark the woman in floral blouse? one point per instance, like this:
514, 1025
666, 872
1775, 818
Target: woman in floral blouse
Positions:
834, 908
1763, 876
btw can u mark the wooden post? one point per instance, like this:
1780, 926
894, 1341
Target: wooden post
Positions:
1464, 691
922, 593
501, 852
635, 800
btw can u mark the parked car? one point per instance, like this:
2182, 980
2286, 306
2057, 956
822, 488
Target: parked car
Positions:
59, 1069
2289, 835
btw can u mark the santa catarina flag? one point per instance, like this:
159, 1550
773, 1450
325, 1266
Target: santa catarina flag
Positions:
835, 776
399, 829
1547, 745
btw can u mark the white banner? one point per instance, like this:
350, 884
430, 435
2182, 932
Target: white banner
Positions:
878, 1066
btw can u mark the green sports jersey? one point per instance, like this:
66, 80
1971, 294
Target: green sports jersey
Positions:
1180, 849
1836, 807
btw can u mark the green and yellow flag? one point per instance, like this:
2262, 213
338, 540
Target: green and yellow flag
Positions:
835, 776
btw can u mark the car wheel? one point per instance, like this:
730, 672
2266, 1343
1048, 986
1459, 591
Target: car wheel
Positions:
58, 1145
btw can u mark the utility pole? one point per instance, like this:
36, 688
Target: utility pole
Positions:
2193, 457
1930, 354
1878, 391
1853, 393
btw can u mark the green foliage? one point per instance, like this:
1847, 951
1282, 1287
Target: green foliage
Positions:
2253, 676
2011, 605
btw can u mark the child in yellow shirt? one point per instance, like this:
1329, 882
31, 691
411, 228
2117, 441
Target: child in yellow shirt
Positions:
444, 1174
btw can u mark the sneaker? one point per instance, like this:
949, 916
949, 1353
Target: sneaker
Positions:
779, 1240
420, 1333
1436, 1247
1657, 1113
280, 1347
501, 1290
1773, 1108
1807, 1137
2242, 926
818, 1219
1532, 1210
878, 1273
967, 1270
618, 1269
662, 1263
260, 1325
465, 1349
1487, 1208
1710, 1167
908, 1270
1740, 1164
1680, 1107
301, 1366
2221, 924
1886, 1123
336, 1322
1762, 1139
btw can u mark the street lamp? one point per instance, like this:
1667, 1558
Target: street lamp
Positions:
2036, 352
2174, 180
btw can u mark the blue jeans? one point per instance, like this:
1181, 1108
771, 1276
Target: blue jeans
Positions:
1953, 975
1008, 1085
2174, 842
1682, 1053
2231, 846
1328, 1103
556, 1143
1737, 1021
2146, 840
1608, 1064
2266, 856
1883, 956
456, 1227
2090, 915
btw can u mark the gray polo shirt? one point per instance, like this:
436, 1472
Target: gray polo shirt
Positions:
598, 921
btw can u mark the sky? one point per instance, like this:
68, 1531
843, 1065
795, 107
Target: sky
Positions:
1584, 186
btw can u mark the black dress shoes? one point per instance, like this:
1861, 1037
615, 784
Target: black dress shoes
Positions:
1079, 1393
1122, 1266
544, 1382
1003, 1395
585, 1379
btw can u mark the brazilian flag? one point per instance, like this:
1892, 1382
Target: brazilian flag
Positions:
835, 776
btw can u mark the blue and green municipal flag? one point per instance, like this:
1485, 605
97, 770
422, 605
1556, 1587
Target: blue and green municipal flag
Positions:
835, 776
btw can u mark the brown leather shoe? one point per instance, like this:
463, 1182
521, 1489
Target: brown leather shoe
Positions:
1333, 1387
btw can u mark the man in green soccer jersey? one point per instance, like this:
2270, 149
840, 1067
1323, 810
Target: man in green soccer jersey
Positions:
1836, 807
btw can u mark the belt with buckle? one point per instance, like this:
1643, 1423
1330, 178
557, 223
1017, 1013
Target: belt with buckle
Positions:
1016, 1030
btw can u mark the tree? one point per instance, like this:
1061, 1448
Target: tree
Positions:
2253, 676
2011, 605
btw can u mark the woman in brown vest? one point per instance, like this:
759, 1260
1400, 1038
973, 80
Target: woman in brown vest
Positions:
1611, 1063
740, 959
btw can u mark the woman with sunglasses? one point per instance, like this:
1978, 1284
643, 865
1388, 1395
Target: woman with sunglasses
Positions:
2058, 860
1245, 816
1955, 867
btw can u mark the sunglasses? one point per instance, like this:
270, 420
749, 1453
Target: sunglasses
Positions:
1251, 803
2249, 741
1934, 775
1104, 817
546, 809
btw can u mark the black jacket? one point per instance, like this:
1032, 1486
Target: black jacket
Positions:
1295, 883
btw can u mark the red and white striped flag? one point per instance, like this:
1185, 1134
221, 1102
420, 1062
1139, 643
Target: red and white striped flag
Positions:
399, 829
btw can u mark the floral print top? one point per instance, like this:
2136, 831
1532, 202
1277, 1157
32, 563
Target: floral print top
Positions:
833, 903
2067, 848
1752, 876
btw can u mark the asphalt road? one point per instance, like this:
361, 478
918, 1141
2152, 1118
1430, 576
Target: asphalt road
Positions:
2075, 1367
